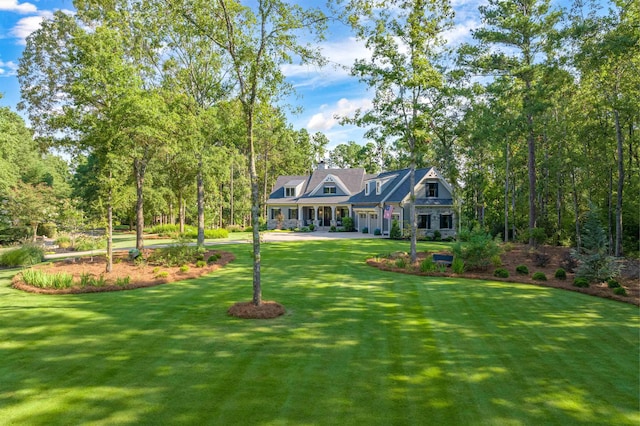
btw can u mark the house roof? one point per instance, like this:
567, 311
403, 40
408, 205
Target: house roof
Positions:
395, 187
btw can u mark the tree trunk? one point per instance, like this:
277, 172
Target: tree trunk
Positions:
181, 211
412, 208
506, 196
139, 167
255, 213
231, 213
618, 248
575, 208
109, 267
200, 189
531, 166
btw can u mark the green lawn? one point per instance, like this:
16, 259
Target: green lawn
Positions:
357, 346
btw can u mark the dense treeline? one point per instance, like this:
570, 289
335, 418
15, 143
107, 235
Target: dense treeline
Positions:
536, 122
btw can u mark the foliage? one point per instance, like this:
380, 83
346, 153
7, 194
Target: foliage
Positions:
496, 260
347, 223
213, 258
560, 274
27, 255
47, 229
210, 234
539, 276
478, 251
437, 236
458, 266
611, 283
501, 273
14, 234
41, 279
401, 262
123, 281
201, 264
580, 282
428, 265
365, 230
594, 262
63, 241
522, 269
166, 230
395, 232
88, 243
620, 291
541, 259
377, 231
174, 255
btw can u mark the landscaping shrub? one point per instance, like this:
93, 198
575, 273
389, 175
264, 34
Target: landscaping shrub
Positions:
88, 243
620, 291
561, 274
569, 263
377, 231
184, 268
47, 229
175, 254
395, 232
522, 270
235, 228
347, 222
191, 232
27, 255
63, 241
537, 235
201, 264
123, 281
501, 273
496, 260
167, 230
507, 247
541, 259
458, 266
611, 283
213, 258
437, 236
478, 251
14, 234
581, 282
539, 276
365, 230
332, 229
594, 262
162, 274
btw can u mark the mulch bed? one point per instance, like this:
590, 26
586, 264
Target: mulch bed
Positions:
524, 255
266, 310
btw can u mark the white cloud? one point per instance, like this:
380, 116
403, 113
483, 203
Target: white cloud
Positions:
8, 69
461, 32
330, 117
14, 6
341, 55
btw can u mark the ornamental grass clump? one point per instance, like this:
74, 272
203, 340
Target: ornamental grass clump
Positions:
428, 265
458, 266
40, 279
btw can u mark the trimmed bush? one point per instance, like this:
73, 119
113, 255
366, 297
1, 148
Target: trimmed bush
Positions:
539, 276
27, 255
581, 282
611, 283
201, 264
395, 232
522, 270
377, 231
561, 274
501, 273
620, 291
437, 236
184, 268
365, 230
347, 222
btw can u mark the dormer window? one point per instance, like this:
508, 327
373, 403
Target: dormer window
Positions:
432, 189
378, 186
290, 191
366, 189
329, 190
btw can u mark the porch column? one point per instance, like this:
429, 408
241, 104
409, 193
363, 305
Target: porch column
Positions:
300, 217
334, 219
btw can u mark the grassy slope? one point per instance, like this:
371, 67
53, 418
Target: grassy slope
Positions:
357, 346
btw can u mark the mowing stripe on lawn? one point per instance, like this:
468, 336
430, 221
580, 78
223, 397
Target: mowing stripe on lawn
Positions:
356, 346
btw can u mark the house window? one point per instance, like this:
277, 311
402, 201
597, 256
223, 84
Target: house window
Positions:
275, 213
378, 185
432, 189
290, 192
446, 221
424, 221
329, 190
363, 216
366, 189
293, 213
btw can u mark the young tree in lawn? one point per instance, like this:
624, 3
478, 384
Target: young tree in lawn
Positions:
257, 41
406, 40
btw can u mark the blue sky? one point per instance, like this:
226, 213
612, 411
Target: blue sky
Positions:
322, 93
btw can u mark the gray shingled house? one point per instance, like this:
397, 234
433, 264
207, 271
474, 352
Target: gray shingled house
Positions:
373, 201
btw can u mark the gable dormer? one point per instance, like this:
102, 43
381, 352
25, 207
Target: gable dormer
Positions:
293, 188
330, 185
